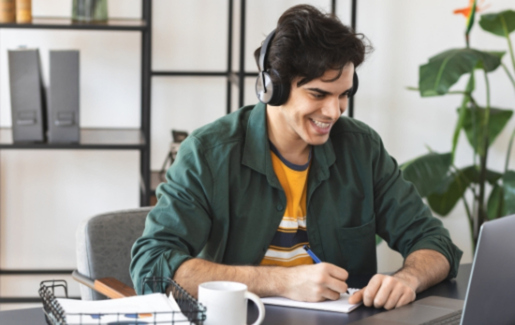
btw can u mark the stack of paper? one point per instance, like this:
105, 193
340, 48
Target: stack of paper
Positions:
153, 308
341, 305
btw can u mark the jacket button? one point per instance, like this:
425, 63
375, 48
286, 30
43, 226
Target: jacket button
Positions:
279, 207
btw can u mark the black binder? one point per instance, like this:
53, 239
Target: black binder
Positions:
27, 96
63, 97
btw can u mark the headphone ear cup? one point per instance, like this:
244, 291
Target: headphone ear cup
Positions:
281, 91
355, 84
264, 91
281, 94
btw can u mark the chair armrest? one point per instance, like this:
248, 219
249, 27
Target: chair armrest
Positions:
110, 287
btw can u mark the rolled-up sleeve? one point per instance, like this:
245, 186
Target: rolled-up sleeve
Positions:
178, 227
402, 218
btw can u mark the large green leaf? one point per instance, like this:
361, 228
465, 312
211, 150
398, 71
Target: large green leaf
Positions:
495, 203
427, 172
474, 119
443, 200
500, 54
498, 24
445, 69
508, 181
472, 174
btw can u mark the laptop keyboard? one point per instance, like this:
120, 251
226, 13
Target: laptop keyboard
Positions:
449, 319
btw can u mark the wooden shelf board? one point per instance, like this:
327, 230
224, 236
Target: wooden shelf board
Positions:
90, 138
67, 23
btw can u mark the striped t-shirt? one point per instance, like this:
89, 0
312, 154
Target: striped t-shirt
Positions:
286, 248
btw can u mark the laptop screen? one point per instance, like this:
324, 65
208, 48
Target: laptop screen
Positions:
490, 295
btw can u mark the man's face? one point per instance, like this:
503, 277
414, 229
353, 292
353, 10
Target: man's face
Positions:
314, 107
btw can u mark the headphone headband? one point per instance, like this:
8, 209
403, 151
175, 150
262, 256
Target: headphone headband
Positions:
263, 55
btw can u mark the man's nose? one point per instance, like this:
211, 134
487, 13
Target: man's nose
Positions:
334, 107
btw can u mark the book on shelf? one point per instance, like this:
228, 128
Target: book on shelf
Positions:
7, 11
23, 11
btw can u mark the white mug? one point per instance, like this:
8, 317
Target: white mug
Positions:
226, 303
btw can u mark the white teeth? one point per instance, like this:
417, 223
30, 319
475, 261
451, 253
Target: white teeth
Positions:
322, 125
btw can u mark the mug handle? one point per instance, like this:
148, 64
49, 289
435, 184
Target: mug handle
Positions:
259, 304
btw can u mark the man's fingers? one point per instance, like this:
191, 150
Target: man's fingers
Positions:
319, 282
338, 272
384, 291
324, 293
383, 294
371, 290
394, 298
357, 296
406, 298
331, 294
331, 281
337, 285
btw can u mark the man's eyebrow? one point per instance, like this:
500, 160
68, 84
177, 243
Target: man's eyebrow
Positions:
323, 92
320, 91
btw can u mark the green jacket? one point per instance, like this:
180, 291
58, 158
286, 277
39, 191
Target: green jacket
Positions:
222, 201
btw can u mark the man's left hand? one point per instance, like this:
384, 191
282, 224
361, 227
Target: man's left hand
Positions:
386, 291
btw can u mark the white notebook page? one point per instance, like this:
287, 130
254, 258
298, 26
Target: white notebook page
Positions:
341, 305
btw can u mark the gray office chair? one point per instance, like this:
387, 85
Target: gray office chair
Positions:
104, 245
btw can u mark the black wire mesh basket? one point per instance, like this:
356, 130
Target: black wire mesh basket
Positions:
192, 312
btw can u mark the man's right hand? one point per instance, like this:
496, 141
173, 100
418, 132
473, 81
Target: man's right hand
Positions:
317, 282
313, 283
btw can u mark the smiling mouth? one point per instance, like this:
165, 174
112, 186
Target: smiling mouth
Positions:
321, 124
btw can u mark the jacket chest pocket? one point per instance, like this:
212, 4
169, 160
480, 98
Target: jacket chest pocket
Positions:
358, 248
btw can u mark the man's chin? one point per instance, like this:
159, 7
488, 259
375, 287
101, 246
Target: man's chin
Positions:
318, 142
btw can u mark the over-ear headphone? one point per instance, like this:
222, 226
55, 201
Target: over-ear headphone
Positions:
267, 91
277, 94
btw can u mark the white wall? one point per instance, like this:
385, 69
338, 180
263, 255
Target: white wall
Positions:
44, 194
405, 34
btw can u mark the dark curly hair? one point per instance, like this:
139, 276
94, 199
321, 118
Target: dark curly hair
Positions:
308, 42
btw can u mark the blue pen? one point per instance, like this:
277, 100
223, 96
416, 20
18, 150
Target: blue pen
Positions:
313, 256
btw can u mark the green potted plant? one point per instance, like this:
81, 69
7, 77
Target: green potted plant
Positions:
435, 175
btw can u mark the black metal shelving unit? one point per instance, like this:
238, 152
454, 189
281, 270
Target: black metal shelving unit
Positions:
101, 138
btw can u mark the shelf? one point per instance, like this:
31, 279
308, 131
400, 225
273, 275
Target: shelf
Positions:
189, 73
112, 139
67, 23
232, 75
35, 272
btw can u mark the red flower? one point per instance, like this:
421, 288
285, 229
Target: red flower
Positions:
466, 11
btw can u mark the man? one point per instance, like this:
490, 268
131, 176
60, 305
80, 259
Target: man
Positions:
249, 190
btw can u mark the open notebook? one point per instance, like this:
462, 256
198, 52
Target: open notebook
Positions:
341, 305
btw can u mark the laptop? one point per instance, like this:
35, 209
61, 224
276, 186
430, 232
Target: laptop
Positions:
490, 297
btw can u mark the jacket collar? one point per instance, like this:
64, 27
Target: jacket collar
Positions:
256, 151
